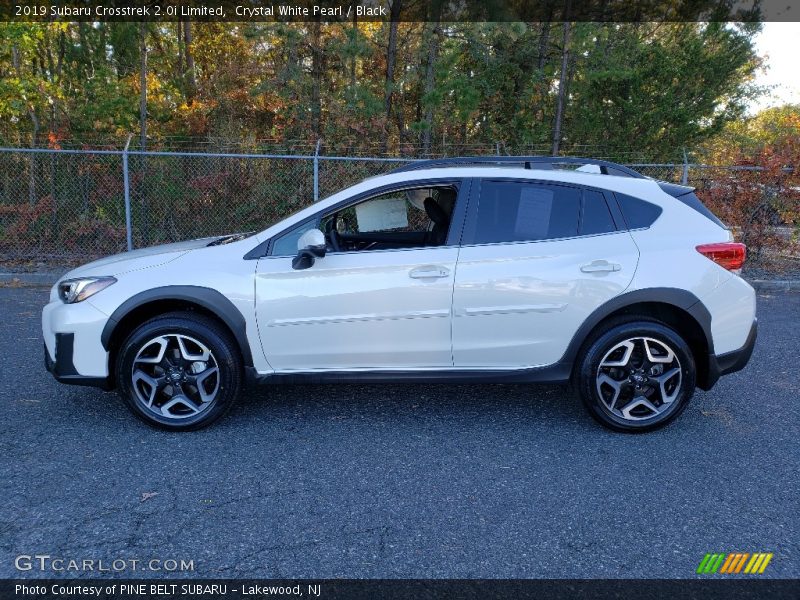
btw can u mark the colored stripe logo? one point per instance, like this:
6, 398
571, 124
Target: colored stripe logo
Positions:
735, 562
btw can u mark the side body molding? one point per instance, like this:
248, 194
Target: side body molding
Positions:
211, 300
558, 372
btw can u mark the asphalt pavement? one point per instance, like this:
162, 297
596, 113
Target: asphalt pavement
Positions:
411, 481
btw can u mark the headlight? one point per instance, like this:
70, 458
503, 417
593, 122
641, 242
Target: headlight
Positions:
78, 290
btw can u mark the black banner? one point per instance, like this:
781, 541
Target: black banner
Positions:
401, 589
409, 10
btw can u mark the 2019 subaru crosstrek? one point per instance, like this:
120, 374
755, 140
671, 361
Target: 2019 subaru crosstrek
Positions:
505, 270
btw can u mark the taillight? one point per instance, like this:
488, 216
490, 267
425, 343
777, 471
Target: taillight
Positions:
730, 255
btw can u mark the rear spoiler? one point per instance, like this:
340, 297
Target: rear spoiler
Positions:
675, 190
686, 194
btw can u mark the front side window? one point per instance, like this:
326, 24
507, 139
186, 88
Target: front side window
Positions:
409, 218
286, 243
514, 211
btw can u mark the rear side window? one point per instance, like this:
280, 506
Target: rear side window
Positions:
637, 212
513, 211
595, 216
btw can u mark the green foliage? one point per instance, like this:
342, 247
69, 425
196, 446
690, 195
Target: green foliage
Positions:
769, 129
652, 88
663, 86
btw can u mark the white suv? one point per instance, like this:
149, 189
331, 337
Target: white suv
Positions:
478, 270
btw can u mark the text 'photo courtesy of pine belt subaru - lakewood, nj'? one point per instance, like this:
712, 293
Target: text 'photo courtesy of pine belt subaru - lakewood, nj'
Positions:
494, 270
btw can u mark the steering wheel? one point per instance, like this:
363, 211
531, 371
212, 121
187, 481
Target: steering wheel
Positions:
333, 235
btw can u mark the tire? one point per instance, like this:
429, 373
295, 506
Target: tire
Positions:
179, 371
635, 375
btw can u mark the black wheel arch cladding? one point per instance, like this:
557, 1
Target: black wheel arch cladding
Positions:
678, 298
211, 300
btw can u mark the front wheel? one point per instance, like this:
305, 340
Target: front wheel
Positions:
636, 375
179, 371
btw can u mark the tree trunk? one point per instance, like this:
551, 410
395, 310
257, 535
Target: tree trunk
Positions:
354, 58
316, 78
562, 86
400, 117
391, 58
143, 123
32, 171
180, 71
143, 85
55, 68
191, 78
16, 63
430, 82
544, 42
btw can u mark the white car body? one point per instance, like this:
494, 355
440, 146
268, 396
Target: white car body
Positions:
455, 311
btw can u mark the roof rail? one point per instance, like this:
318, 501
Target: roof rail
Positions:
528, 162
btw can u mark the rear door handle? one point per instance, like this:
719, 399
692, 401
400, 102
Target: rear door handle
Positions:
600, 266
429, 272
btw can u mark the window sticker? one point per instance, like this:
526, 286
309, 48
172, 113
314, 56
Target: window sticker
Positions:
533, 213
382, 214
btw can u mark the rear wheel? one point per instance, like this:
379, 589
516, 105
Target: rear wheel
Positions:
636, 375
179, 371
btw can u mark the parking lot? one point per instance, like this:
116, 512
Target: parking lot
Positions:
412, 481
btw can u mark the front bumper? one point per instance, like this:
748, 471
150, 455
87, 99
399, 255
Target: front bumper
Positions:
63, 368
730, 362
73, 350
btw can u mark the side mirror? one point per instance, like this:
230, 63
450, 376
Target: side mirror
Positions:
310, 247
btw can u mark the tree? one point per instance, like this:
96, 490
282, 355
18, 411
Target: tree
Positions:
392, 86
562, 87
666, 86
762, 191
769, 128
391, 59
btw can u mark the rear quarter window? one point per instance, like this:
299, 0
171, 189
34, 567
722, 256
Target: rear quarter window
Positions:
637, 213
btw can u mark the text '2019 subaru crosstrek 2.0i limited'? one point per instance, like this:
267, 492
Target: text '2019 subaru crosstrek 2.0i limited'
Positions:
483, 270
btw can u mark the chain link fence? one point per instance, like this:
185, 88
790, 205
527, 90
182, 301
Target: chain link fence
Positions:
81, 204
179, 197
75, 204
61, 204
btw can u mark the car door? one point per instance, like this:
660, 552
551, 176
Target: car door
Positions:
537, 259
372, 309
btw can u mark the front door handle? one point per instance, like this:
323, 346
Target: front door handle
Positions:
600, 266
429, 272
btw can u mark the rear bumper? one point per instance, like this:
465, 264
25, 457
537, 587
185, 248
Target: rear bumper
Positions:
730, 362
63, 368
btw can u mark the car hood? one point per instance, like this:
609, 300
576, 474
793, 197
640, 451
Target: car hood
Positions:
138, 259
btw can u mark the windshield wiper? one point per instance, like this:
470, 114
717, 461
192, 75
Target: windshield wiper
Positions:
227, 239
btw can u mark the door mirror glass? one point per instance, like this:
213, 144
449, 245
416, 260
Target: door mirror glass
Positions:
310, 247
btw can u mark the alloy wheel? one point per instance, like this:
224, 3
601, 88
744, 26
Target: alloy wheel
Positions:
175, 376
639, 378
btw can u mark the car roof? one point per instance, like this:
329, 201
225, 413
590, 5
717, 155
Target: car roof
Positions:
528, 162
610, 182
